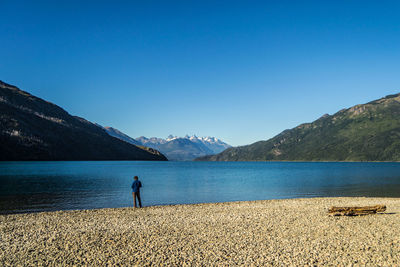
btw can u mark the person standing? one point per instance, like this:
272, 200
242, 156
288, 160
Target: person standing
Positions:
136, 185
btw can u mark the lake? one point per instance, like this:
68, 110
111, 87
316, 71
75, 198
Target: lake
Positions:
48, 186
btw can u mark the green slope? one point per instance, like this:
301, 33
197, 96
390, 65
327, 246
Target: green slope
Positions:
369, 132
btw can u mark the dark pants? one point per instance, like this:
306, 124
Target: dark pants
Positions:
136, 195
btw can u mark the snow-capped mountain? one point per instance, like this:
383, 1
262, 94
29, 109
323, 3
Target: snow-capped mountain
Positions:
151, 141
212, 143
185, 148
174, 147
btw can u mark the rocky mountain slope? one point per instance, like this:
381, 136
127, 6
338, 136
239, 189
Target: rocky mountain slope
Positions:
368, 132
34, 129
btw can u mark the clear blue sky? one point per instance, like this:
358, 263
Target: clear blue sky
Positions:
242, 71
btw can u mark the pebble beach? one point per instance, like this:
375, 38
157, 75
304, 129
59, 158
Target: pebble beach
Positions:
268, 232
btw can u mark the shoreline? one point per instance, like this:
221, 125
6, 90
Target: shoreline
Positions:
190, 204
132, 160
261, 232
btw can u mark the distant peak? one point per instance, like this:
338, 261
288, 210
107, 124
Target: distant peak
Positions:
194, 138
326, 115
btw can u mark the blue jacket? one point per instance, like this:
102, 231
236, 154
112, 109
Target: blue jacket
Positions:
136, 185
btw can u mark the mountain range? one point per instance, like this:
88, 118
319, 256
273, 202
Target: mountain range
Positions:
367, 132
34, 129
174, 147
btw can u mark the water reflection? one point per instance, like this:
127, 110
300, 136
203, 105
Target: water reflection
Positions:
42, 186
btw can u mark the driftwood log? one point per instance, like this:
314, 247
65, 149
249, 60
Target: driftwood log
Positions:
353, 211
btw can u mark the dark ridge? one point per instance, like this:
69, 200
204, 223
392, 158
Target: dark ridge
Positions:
34, 129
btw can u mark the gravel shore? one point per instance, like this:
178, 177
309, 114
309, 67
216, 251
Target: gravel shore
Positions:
268, 232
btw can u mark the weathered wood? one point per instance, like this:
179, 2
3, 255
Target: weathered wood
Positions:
352, 211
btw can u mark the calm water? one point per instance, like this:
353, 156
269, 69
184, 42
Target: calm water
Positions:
42, 186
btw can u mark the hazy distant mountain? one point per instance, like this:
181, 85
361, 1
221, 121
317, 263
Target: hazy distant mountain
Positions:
182, 149
176, 148
185, 148
152, 141
212, 143
34, 129
116, 133
368, 132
